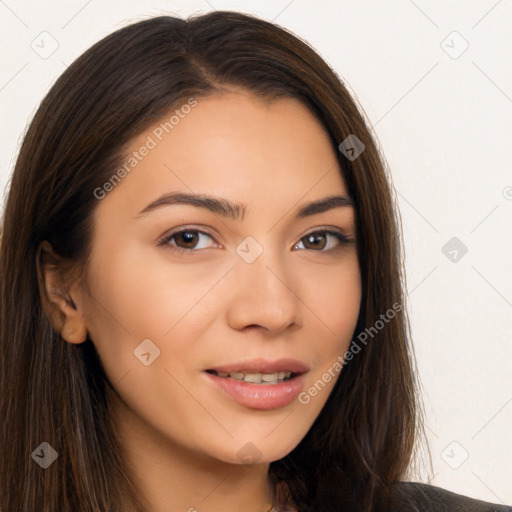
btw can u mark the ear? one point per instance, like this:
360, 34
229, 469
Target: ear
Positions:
56, 296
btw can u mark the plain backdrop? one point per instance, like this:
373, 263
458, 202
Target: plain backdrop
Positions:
435, 80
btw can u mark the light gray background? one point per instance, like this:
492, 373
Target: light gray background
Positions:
444, 121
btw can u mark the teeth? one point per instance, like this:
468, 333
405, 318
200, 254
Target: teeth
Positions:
257, 378
253, 377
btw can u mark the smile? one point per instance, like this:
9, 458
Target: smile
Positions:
261, 384
256, 378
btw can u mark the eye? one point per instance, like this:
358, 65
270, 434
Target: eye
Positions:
192, 240
319, 240
186, 240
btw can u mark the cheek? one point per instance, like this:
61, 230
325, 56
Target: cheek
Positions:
148, 293
333, 296
139, 295
335, 302
136, 300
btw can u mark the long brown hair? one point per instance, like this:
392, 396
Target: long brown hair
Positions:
52, 391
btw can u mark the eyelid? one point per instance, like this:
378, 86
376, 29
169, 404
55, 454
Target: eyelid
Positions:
325, 228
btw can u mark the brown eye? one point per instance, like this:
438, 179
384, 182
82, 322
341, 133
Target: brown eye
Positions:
186, 240
319, 240
315, 241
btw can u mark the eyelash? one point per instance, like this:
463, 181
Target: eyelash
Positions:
342, 239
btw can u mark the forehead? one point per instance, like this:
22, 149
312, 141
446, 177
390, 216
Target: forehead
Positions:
233, 145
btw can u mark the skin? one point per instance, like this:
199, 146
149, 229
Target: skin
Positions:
181, 435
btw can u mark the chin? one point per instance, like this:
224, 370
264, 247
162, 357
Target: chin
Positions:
257, 450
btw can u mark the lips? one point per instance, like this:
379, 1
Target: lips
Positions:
259, 383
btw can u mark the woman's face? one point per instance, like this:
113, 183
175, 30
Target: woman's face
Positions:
178, 290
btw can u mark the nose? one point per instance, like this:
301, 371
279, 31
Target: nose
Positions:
264, 296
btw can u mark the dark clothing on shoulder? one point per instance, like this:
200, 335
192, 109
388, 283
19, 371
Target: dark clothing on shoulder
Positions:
422, 497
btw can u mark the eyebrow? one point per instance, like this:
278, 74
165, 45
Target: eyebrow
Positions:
236, 211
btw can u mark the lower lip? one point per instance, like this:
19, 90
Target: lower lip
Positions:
263, 397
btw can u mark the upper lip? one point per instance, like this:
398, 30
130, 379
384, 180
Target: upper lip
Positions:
264, 366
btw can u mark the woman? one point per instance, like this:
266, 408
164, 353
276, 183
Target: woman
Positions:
202, 297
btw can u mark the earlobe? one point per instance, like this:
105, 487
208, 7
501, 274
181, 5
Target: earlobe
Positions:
65, 317
76, 333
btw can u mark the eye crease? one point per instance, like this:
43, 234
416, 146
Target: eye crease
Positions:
192, 237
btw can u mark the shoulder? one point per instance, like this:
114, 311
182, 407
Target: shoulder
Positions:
422, 497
